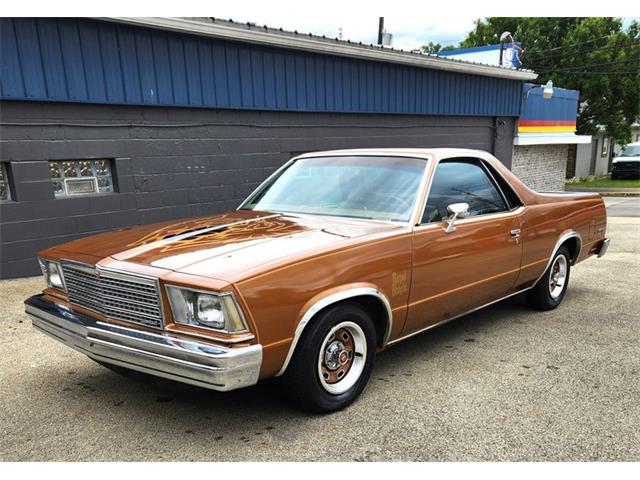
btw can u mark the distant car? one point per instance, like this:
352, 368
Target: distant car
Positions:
626, 164
334, 257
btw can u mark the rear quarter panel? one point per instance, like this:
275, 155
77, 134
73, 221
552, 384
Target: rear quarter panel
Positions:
547, 218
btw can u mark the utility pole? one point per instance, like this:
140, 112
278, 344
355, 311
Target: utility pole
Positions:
380, 30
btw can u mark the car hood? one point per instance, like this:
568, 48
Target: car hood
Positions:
626, 159
226, 246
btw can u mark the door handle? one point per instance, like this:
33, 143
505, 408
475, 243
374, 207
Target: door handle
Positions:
515, 233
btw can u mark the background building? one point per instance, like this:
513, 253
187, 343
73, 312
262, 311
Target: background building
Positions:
112, 123
546, 142
595, 158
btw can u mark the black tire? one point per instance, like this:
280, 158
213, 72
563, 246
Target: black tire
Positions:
540, 297
614, 176
301, 381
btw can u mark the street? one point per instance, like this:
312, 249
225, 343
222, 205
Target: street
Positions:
504, 383
622, 206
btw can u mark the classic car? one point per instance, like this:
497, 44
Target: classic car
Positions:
335, 257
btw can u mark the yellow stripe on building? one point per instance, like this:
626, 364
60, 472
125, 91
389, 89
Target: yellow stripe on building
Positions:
544, 129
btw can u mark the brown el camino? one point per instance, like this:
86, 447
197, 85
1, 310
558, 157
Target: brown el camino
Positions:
336, 256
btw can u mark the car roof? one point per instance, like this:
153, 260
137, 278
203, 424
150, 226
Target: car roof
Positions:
401, 152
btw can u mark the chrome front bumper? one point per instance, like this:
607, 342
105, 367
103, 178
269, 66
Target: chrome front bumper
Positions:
198, 363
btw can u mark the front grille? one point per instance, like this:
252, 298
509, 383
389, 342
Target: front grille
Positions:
628, 165
114, 295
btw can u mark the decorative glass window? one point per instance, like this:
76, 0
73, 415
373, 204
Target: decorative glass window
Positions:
5, 192
81, 177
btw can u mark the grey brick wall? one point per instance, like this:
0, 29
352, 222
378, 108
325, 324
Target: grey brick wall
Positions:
179, 162
541, 167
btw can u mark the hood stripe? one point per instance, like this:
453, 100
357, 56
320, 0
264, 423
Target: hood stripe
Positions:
135, 251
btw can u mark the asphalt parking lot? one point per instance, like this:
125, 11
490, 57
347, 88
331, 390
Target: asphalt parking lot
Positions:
623, 206
505, 383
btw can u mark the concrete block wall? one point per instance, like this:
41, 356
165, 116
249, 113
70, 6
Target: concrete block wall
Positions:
541, 167
171, 163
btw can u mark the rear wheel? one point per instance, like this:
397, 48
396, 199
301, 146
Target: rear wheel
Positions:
548, 293
333, 360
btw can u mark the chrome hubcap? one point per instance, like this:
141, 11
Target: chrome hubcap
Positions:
342, 357
558, 276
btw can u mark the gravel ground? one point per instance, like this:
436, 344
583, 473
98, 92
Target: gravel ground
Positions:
504, 383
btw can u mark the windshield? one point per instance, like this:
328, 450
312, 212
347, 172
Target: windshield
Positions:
630, 151
378, 188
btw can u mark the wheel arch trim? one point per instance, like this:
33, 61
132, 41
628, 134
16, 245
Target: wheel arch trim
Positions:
329, 300
563, 238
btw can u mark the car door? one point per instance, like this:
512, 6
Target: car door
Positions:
479, 262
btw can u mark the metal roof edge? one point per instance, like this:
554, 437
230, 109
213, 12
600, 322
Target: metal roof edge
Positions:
481, 48
313, 44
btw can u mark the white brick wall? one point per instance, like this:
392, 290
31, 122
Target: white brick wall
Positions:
541, 167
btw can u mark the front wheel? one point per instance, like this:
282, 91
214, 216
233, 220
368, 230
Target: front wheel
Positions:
333, 359
548, 293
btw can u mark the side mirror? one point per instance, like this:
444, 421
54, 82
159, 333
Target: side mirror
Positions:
456, 210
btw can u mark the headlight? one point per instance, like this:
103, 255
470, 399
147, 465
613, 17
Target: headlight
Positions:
205, 309
52, 273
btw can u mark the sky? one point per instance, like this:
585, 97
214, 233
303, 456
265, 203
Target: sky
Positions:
409, 30
411, 27
412, 22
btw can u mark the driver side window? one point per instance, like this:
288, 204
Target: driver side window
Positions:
462, 180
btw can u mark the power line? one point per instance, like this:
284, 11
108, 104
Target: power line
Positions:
572, 45
543, 55
573, 67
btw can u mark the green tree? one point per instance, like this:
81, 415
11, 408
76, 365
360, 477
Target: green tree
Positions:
592, 54
433, 48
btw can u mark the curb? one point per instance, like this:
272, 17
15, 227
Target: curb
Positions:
606, 192
616, 194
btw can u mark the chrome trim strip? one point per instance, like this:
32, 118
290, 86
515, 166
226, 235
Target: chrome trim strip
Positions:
189, 361
462, 221
330, 300
562, 239
456, 317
